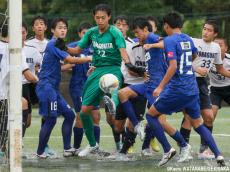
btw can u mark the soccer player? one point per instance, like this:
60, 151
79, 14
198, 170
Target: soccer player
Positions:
135, 52
209, 53
33, 58
51, 103
156, 68
109, 47
4, 81
220, 85
77, 81
153, 21
181, 91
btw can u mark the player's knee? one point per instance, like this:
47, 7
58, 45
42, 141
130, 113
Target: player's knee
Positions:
124, 93
208, 119
69, 115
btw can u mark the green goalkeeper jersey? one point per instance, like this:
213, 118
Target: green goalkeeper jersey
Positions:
105, 46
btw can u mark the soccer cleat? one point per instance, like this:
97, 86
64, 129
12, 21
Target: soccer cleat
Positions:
109, 104
167, 156
139, 129
185, 154
43, 155
77, 151
69, 152
49, 151
147, 152
101, 153
130, 150
206, 154
154, 145
89, 149
220, 161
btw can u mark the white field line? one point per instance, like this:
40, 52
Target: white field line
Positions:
109, 136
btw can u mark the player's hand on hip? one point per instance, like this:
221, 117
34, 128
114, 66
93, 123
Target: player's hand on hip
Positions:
157, 91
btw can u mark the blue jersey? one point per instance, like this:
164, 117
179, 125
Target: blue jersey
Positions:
156, 64
180, 47
79, 71
51, 67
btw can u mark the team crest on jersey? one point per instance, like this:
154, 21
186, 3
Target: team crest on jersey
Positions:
170, 54
185, 45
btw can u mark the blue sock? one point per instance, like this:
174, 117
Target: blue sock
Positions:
78, 135
45, 132
208, 138
148, 137
129, 112
67, 126
158, 132
97, 133
179, 139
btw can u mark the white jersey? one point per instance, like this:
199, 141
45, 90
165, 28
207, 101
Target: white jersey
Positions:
208, 54
218, 80
33, 58
40, 45
137, 57
4, 70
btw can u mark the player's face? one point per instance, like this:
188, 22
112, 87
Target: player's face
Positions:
141, 34
24, 34
122, 26
60, 30
39, 27
208, 33
82, 33
223, 46
153, 24
102, 20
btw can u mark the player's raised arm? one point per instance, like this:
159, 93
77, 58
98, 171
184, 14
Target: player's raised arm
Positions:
155, 45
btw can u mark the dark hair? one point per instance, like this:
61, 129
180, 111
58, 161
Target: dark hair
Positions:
214, 24
4, 30
151, 18
121, 18
24, 25
39, 18
224, 39
55, 21
141, 22
173, 19
102, 7
84, 25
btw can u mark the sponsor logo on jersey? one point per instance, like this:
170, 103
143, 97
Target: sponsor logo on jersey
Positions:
170, 54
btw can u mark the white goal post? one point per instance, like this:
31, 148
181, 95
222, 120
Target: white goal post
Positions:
15, 104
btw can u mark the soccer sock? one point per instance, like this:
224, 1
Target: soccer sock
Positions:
44, 134
128, 141
185, 133
87, 123
25, 114
179, 139
158, 132
78, 135
67, 128
148, 137
203, 144
116, 135
129, 112
97, 133
208, 138
114, 97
